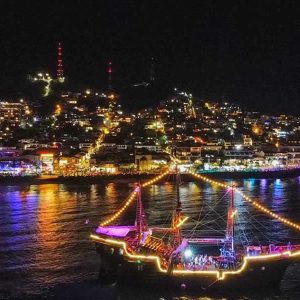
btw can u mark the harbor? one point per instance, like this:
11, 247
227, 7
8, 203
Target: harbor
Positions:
150, 150
41, 248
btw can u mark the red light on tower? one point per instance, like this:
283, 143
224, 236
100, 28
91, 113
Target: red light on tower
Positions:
109, 71
110, 67
60, 68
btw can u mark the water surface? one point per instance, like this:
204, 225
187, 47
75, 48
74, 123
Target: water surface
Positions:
45, 249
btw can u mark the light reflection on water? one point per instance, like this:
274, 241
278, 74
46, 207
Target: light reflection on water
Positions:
44, 229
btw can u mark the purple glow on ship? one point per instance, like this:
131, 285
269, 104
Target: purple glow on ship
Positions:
116, 231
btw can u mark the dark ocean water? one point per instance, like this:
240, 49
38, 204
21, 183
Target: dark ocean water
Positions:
45, 251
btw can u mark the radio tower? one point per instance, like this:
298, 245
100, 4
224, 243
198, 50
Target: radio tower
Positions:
109, 71
60, 68
152, 73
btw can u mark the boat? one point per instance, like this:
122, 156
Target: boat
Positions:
253, 173
149, 255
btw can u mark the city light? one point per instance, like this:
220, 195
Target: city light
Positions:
168, 131
47, 79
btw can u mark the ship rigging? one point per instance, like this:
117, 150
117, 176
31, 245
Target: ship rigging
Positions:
164, 253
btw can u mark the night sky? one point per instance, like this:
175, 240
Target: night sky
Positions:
244, 51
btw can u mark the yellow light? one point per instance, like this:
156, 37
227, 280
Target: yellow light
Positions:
253, 202
220, 274
47, 155
117, 214
155, 258
181, 222
233, 214
131, 197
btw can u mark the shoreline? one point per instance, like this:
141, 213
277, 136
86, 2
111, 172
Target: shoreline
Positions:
283, 173
118, 178
128, 178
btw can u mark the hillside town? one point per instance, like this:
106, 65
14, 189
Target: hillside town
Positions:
88, 133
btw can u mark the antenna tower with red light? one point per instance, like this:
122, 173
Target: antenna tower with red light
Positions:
60, 68
109, 71
152, 72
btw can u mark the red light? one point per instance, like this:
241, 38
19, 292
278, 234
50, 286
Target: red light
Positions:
109, 67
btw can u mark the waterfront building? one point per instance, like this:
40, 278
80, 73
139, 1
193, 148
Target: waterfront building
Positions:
12, 115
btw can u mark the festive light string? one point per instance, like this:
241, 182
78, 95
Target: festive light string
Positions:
253, 202
248, 259
131, 198
155, 179
220, 274
122, 244
204, 178
122, 209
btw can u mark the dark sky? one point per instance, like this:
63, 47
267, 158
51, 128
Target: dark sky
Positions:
246, 51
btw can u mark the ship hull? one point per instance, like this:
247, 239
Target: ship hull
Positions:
257, 274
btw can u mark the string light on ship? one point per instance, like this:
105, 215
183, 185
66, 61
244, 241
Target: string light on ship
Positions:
269, 212
121, 210
131, 198
253, 202
220, 275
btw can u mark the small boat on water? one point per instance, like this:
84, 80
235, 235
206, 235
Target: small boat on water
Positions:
160, 255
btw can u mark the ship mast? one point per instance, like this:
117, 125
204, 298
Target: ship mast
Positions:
230, 220
177, 214
140, 221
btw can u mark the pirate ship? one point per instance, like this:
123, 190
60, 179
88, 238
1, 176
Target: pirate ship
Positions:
141, 253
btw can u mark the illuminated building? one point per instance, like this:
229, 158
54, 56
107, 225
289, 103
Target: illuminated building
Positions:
143, 162
248, 140
13, 112
48, 158
12, 115
67, 165
18, 167
6, 152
